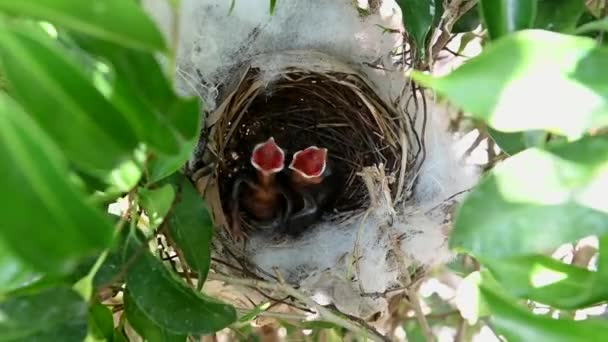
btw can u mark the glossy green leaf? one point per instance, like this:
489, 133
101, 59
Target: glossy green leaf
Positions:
273, 5
548, 281
162, 166
146, 328
109, 270
90, 130
120, 335
502, 17
506, 78
84, 286
124, 177
101, 322
14, 273
170, 303
191, 227
56, 314
598, 25
439, 10
120, 21
559, 15
468, 22
141, 88
418, 17
512, 143
537, 200
63, 227
156, 203
520, 325
185, 115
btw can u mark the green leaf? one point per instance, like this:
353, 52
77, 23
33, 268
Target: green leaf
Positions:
418, 16
502, 17
170, 303
191, 228
140, 87
414, 331
438, 12
56, 314
60, 226
468, 22
537, 200
162, 166
109, 270
90, 130
156, 203
84, 286
184, 115
501, 86
120, 335
253, 313
146, 328
518, 324
14, 273
597, 25
512, 143
559, 15
273, 5
101, 322
546, 280
119, 21
124, 177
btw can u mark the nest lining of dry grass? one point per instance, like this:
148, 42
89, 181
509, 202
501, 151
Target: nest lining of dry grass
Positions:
332, 106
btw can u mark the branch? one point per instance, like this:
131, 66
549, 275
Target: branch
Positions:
424, 324
454, 12
325, 313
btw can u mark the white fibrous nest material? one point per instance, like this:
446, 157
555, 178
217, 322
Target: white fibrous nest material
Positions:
401, 229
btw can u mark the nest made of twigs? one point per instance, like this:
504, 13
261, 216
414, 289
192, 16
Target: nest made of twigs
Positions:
312, 99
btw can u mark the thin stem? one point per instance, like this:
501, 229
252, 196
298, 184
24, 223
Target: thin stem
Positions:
424, 324
325, 313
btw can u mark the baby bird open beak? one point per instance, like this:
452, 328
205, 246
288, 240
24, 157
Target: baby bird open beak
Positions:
310, 164
268, 158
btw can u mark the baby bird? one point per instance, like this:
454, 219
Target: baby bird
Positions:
312, 179
263, 198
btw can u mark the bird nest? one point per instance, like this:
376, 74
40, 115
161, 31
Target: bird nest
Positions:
311, 99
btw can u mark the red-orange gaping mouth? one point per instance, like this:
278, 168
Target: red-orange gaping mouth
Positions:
310, 162
268, 157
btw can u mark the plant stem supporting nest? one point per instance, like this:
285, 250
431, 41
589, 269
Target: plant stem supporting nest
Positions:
325, 313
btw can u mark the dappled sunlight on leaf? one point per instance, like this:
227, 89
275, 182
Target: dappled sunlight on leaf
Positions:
548, 281
518, 324
530, 202
125, 176
533, 100
540, 183
541, 276
519, 86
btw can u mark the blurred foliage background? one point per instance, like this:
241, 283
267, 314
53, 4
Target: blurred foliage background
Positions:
88, 117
